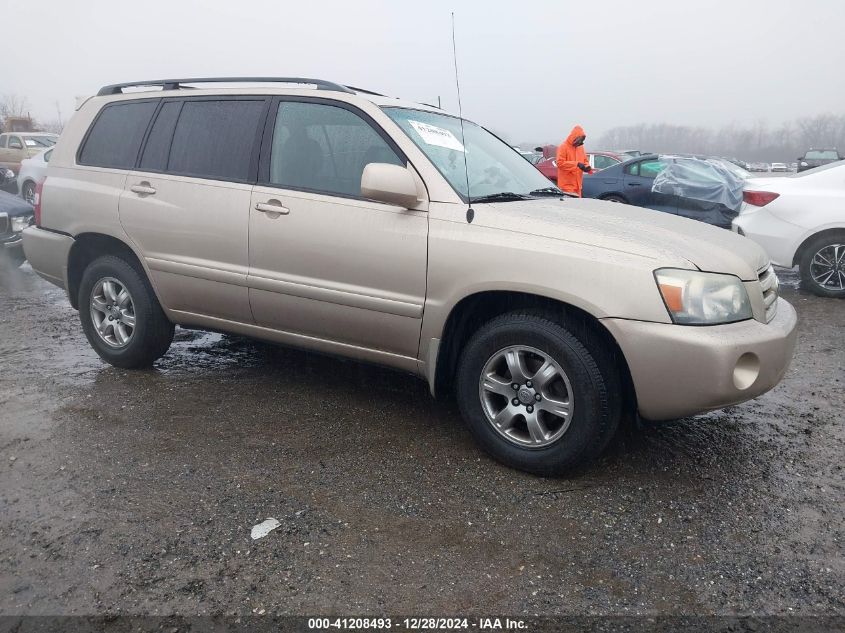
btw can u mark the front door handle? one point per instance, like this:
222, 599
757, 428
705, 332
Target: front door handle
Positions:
633, 184
273, 208
143, 188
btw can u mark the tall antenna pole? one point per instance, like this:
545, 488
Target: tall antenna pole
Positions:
470, 212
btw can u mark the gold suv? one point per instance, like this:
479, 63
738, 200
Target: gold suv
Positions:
330, 218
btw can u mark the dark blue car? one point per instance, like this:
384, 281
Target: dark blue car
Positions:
699, 189
15, 215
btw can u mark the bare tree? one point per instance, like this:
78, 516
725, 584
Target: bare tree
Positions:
754, 142
13, 106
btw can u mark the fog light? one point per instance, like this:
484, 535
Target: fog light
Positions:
746, 371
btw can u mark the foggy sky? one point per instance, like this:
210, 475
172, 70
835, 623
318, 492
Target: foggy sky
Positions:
529, 70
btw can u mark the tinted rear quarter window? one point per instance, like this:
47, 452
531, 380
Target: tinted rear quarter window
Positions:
116, 136
215, 139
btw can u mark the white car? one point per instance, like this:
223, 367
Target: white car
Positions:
32, 173
779, 167
800, 221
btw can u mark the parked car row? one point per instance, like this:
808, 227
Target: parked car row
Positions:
799, 220
15, 147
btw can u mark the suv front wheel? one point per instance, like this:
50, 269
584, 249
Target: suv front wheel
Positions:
121, 315
535, 397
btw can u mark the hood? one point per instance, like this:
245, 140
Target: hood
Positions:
14, 206
666, 239
576, 132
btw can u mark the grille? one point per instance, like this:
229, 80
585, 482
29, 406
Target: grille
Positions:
4, 223
769, 286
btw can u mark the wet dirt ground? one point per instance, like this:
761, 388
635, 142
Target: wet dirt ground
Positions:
135, 492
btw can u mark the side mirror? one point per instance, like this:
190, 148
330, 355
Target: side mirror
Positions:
538, 149
390, 184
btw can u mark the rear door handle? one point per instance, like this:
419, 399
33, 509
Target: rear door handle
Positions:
143, 188
273, 208
633, 184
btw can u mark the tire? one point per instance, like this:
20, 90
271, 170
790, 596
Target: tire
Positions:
814, 270
122, 345
615, 198
589, 383
28, 192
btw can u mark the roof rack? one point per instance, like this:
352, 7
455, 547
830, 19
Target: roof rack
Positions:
175, 84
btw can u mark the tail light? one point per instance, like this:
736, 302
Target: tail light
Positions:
38, 188
759, 198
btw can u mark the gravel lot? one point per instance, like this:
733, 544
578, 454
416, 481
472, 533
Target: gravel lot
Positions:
135, 492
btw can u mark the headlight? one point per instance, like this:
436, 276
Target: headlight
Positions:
696, 298
20, 222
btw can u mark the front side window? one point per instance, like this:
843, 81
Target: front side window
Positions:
116, 136
15, 142
324, 148
215, 139
633, 169
492, 166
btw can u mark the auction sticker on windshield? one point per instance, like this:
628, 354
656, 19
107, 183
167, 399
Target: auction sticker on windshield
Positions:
433, 135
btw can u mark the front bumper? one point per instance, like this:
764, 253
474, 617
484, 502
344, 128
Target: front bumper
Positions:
47, 253
682, 370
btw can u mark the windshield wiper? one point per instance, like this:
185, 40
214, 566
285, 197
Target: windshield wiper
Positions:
503, 196
546, 191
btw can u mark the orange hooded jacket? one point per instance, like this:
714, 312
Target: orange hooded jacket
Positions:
569, 177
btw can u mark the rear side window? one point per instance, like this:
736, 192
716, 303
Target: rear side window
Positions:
650, 168
215, 139
116, 136
3, 141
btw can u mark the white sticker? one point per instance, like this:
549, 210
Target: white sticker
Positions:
438, 136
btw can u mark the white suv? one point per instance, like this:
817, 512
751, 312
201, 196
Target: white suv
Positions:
329, 218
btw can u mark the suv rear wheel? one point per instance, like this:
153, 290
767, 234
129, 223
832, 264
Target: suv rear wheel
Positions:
822, 266
121, 315
535, 397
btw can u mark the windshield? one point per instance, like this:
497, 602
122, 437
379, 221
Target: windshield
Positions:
39, 141
494, 167
826, 154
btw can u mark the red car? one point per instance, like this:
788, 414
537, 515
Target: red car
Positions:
598, 160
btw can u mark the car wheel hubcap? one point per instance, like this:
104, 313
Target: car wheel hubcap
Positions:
29, 194
526, 396
827, 267
113, 312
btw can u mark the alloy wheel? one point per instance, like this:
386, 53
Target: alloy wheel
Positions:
113, 312
827, 268
526, 396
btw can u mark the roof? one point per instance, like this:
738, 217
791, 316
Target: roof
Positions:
295, 83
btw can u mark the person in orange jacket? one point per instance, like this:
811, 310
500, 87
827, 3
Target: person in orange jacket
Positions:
572, 162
